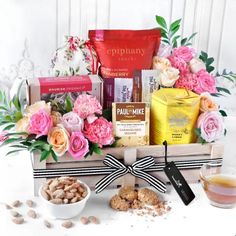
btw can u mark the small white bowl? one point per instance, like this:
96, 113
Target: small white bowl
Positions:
65, 211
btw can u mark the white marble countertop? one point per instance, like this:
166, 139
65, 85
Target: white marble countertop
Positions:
199, 218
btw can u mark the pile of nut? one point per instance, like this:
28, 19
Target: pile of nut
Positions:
139, 199
64, 190
17, 217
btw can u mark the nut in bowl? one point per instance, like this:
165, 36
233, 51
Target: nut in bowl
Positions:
219, 186
64, 197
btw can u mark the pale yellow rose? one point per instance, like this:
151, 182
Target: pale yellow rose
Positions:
56, 117
32, 109
58, 137
168, 77
22, 125
160, 63
207, 104
196, 64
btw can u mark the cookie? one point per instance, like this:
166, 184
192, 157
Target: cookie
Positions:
148, 196
118, 203
136, 204
128, 193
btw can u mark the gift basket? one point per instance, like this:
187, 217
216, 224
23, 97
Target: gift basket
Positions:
120, 94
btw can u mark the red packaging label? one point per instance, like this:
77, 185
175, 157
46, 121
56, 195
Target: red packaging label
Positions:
65, 84
121, 52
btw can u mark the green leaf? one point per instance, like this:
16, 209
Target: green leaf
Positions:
18, 115
107, 114
174, 31
68, 104
228, 78
17, 133
217, 94
209, 60
3, 108
16, 102
41, 145
223, 113
198, 132
11, 140
9, 127
18, 146
175, 24
44, 155
192, 36
13, 151
220, 89
175, 44
164, 35
98, 150
26, 143
166, 41
204, 55
161, 21
54, 156
183, 41
210, 69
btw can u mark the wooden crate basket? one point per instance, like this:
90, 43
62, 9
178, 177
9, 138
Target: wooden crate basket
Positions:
189, 158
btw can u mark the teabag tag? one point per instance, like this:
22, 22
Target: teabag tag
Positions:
177, 180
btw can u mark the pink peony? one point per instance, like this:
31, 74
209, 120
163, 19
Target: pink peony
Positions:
179, 64
211, 125
3, 136
100, 131
78, 145
86, 106
40, 123
206, 82
184, 53
72, 122
188, 81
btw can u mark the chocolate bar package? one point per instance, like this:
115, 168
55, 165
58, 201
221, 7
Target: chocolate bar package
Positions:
58, 88
145, 83
131, 123
117, 90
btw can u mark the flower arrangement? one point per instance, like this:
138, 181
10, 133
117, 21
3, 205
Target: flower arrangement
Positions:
54, 129
181, 67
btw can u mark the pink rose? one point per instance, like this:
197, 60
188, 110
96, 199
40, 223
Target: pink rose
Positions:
100, 131
206, 82
78, 145
3, 136
40, 123
72, 122
184, 53
211, 126
164, 50
179, 64
86, 106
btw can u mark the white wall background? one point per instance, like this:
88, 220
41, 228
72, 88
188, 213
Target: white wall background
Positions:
31, 30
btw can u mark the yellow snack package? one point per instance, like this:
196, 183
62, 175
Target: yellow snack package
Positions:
174, 114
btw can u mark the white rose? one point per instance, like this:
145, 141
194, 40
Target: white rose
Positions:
196, 64
168, 77
32, 109
160, 63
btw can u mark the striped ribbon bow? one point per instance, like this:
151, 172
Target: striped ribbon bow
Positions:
137, 169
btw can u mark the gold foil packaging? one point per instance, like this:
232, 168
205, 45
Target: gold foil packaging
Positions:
131, 123
174, 114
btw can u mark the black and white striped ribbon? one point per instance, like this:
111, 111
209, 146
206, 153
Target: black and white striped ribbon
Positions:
109, 169
137, 169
